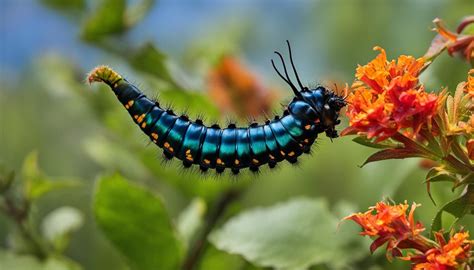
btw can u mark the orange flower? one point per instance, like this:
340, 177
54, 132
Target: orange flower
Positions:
235, 89
379, 73
390, 224
372, 114
448, 256
387, 98
469, 86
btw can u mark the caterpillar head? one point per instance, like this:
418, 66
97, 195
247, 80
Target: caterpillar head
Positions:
324, 104
327, 106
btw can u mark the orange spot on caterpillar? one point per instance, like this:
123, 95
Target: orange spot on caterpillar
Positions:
219, 161
291, 154
271, 157
307, 127
255, 161
282, 153
129, 104
154, 136
236, 162
140, 118
207, 162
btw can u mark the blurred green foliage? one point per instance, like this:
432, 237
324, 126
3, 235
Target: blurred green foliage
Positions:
137, 223
291, 235
149, 215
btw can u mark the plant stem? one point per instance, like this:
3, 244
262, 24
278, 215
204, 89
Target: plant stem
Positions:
196, 250
19, 214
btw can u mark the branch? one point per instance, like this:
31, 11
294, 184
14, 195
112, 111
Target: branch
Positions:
198, 247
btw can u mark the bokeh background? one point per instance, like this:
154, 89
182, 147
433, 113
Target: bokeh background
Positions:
170, 48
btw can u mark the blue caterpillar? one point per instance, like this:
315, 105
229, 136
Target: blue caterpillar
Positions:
312, 111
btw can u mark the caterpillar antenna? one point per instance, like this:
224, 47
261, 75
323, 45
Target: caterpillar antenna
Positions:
297, 93
288, 80
293, 66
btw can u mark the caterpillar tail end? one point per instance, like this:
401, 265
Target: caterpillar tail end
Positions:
104, 74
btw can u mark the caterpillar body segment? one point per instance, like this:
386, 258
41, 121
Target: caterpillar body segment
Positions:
312, 111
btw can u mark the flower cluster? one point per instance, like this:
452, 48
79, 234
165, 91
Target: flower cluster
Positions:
236, 89
390, 224
388, 98
389, 109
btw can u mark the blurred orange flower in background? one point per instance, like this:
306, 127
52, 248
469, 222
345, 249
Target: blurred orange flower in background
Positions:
234, 88
387, 98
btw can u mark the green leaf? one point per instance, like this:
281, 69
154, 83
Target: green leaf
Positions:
291, 235
36, 184
136, 222
10, 260
58, 226
137, 12
458, 207
107, 19
115, 157
397, 153
6, 178
151, 60
436, 175
40, 187
191, 219
195, 102
30, 166
66, 6
366, 142
213, 258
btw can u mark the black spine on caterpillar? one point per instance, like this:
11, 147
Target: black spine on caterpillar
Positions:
312, 111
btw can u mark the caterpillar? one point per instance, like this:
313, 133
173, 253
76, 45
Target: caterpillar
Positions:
312, 111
